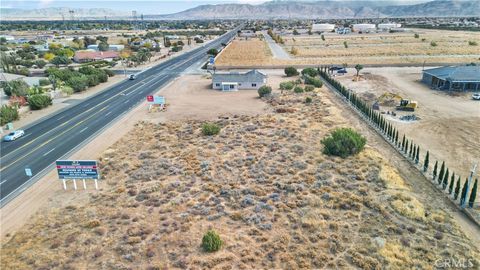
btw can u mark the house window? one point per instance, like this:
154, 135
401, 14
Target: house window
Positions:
254, 85
217, 84
232, 86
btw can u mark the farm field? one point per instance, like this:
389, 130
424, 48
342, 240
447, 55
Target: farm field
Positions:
373, 48
263, 184
448, 125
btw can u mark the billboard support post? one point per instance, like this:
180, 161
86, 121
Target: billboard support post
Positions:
74, 184
84, 184
64, 184
96, 184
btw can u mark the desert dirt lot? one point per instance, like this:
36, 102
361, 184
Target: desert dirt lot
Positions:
263, 184
372, 48
449, 122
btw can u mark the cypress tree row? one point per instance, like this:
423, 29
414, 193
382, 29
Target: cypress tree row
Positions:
396, 136
463, 195
403, 141
435, 170
445, 180
411, 147
442, 171
457, 189
417, 155
473, 194
426, 161
406, 147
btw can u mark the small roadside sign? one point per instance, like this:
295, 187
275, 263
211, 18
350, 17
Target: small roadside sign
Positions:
150, 98
211, 60
159, 100
28, 172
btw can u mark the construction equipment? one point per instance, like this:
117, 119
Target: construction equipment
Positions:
407, 105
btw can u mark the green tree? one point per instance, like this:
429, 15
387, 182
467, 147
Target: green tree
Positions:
452, 182
8, 114
310, 72
343, 142
417, 155
442, 172
426, 161
445, 180
457, 189
16, 88
103, 46
435, 170
40, 63
358, 67
473, 194
463, 195
60, 60
291, 71
213, 52
39, 101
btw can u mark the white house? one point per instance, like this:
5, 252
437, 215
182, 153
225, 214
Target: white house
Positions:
323, 27
234, 81
364, 27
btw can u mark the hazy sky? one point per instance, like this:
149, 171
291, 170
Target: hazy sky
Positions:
143, 6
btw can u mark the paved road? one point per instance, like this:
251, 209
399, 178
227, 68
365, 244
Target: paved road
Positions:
277, 50
60, 134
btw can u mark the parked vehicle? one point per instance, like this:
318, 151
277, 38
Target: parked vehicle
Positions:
476, 96
132, 77
12, 136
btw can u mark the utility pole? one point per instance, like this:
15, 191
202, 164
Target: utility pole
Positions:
472, 172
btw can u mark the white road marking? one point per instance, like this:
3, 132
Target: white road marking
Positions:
83, 130
61, 117
126, 101
3, 182
108, 113
48, 152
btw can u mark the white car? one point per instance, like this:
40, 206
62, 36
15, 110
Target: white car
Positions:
476, 96
132, 77
12, 136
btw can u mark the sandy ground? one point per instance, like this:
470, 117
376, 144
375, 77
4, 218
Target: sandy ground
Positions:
449, 122
188, 97
362, 222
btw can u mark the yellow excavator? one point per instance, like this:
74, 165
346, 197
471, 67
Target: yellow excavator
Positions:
407, 105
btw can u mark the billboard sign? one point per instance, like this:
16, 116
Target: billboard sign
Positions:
77, 169
158, 100
211, 60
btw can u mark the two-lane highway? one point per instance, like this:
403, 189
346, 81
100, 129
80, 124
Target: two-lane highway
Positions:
60, 134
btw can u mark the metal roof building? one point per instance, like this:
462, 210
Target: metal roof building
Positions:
453, 78
234, 81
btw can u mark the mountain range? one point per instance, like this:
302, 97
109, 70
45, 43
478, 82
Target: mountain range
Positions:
270, 10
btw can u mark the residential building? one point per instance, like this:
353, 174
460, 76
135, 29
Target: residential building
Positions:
234, 81
323, 27
453, 78
112, 47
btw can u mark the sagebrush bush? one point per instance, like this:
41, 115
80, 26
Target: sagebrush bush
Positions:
313, 81
343, 142
209, 129
309, 88
264, 91
290, 71
308, 100
211, 241
298, 89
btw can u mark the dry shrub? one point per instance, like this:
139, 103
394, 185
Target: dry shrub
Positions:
92, 224
408, 206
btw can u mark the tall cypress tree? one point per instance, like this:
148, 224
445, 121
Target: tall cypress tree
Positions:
473, 194
457, 189
426, 161
463, 195
435, 170
417, 155
410, 152
442, 171
396, 136
452, 182
403, 142
445, 180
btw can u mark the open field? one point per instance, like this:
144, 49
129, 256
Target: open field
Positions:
378, 49
263, 184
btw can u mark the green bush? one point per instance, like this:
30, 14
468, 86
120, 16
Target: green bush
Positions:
211, 241
264, 91
309, 88
109, 73
15, 88
298, 89
433, 44
313, 81
39, 101
78, 84
291, 71
308, 100
44, 82
310, 72
472, 43
343, 142
8, 114
209, 129
287, 85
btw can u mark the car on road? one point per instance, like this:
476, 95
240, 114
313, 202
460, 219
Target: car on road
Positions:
132, 77
476, 96
12, 136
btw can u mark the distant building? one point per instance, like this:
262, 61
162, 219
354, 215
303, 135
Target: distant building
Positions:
364, 27
112, 47
388, 26
323, 27
42, 47
247, 34
8, 38
89, 56
234, 81
453, 78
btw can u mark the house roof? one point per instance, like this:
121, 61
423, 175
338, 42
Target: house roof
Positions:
95, 55
251, 76
456, 73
